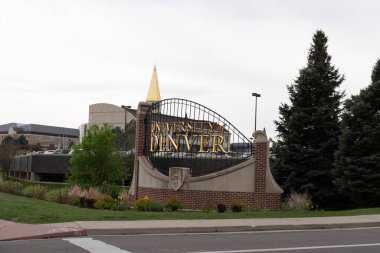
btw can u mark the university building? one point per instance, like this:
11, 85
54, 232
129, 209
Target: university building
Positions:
40, 134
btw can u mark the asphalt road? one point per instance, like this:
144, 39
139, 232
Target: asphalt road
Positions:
334, 241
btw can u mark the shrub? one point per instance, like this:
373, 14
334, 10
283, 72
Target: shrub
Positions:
35, 191
75, 191
120, 206
141, 203
154, 207
173, 205
58, 195
10, 186
93, 193
74, 194
237, 206
148, 205
110, 189
104, 202
221, 208
53, 195
297, 201
86, 203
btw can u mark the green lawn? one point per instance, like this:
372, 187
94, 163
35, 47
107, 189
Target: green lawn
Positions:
28, 210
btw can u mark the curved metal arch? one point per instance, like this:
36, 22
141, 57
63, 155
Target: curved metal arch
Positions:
225, 145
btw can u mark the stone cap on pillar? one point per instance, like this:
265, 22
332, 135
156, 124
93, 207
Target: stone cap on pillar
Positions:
144, 105
260, 136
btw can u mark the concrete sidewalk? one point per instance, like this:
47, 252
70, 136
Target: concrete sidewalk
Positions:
14, 231
17, 231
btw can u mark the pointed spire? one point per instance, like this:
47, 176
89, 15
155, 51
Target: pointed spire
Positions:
154, 88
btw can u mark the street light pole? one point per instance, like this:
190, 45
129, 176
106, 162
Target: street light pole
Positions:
256, 95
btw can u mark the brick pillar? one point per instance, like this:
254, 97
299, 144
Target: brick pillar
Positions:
261, 154
139, 141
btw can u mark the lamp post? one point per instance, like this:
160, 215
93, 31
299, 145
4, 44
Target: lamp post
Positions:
125, 107
256, 95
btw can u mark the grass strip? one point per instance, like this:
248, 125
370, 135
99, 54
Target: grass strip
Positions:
27, 210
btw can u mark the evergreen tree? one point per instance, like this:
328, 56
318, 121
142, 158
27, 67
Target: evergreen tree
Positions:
22, 140
357, 169
308, 128
125, 139
8, 140
7, 153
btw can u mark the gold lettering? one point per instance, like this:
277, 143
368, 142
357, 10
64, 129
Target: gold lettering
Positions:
216, 144
152, 127
189, 127
194, 126
161, 143
153, 143
171, 141
221, 128
164, 127
210, 125
204, 140
180, 127
200, 127
171, 127
186, 138
157, 127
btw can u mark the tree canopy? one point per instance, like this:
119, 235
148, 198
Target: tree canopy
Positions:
357, 167
96, 160
125, 139
308, 128
7, 152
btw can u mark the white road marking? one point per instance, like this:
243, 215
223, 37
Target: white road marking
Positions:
94, 246
292, 249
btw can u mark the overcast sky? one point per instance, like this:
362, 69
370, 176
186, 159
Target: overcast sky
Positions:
58, 57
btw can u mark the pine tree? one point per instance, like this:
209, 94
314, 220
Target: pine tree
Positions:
308, 128
357, 169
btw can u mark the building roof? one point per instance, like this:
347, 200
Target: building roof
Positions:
154, 89
40, 129
5, 128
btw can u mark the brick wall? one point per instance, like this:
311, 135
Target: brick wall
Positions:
210, 199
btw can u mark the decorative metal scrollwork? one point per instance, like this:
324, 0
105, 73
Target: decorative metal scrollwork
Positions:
182, 133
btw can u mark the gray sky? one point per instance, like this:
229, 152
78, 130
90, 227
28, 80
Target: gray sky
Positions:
58, 57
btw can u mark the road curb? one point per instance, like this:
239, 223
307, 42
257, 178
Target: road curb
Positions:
171, 230
175, 230
316, 226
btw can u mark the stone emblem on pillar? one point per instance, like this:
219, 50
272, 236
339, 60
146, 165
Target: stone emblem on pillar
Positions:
177, 176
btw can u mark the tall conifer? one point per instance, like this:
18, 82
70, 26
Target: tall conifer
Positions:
357, 169
308, 128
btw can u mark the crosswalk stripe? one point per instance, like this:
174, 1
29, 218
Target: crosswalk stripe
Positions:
94, 246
